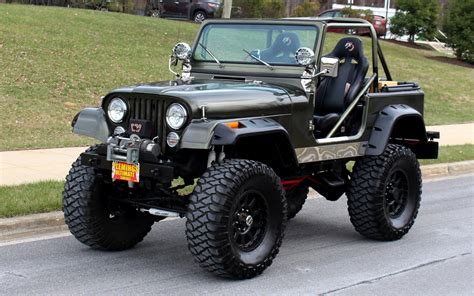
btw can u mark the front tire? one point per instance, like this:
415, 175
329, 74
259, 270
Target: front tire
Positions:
385, 193
93, 219
236, 218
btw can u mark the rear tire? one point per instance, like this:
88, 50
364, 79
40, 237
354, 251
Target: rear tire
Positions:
91, 218
384, 193
296, 197
236, 218
155, 13
199, 16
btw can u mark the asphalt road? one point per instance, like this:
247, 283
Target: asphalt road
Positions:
321, 253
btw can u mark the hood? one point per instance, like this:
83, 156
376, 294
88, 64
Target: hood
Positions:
222, 99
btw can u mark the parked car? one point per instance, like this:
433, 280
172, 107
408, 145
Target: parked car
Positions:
196, 10
258, 116
379, 22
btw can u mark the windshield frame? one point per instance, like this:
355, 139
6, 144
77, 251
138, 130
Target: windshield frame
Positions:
315, 47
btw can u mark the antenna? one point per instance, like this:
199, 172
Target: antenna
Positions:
178, 35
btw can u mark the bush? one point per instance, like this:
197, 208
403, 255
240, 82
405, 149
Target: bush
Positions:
415, 17
307, 8
459, 27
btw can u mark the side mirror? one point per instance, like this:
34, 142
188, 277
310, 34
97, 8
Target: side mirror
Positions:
182, 51
330, 66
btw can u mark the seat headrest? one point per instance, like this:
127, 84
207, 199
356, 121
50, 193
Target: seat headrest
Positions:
286, 42
348, 48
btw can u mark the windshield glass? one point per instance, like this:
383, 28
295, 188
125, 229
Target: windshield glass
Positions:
249, 43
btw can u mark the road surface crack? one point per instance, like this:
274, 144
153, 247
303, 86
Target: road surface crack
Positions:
14, 274
373, 280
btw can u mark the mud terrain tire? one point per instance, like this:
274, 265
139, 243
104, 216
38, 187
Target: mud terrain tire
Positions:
236, 218
296, 197
87, 214
384, 193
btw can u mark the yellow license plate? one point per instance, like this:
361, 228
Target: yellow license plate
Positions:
126, 171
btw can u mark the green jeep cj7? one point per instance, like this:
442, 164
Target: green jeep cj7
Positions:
259, 112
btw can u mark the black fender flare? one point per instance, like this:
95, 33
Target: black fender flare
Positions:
225, 135
263, 128
91, 122
204, 134
395, 121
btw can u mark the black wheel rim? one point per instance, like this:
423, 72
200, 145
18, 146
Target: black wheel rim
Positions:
249, 220
396, 194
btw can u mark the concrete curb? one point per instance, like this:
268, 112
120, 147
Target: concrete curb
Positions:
31, 225
447, 169
49, 223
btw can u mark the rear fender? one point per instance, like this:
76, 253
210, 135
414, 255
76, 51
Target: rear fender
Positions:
398, 123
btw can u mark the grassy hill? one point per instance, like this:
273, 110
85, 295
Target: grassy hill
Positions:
55, 61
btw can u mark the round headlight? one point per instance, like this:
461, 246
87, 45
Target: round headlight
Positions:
176, 116
182, 51
304, 56
117, 109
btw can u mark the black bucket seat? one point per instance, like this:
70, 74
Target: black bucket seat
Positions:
334, 94
283, 49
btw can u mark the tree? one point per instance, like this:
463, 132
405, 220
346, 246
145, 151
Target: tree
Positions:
415, 17
459, 27
307, 8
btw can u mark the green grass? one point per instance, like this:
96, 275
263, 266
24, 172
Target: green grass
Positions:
30, 198
446, 154
55, 61
448, 93
46, 196
452, 154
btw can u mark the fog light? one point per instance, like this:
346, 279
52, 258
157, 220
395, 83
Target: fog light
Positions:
119, 130
172, 139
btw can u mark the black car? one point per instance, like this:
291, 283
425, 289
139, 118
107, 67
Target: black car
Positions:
196, 10
257, 114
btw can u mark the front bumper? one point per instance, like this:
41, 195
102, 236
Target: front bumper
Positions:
159, 172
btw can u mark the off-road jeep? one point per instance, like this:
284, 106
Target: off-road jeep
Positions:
258, 114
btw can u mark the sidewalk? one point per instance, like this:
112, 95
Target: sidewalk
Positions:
27, 166
18, 167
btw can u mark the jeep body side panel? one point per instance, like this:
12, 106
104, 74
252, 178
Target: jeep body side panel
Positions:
91, 122
386, 111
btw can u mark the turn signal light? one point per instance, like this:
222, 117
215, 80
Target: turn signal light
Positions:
232, 124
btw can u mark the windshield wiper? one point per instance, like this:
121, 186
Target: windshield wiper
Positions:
258, 59
210, 53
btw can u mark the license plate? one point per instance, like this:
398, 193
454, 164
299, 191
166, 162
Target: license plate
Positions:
126, 171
